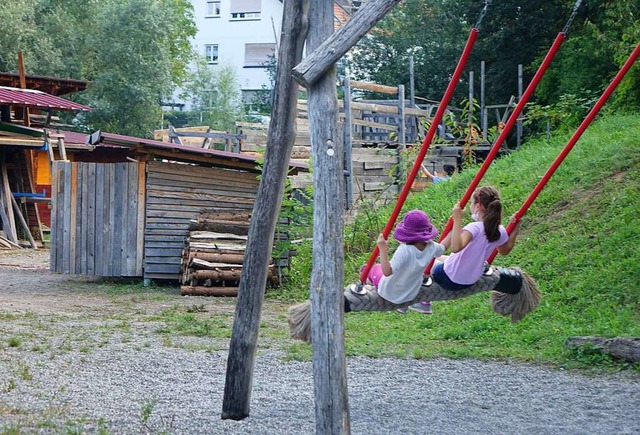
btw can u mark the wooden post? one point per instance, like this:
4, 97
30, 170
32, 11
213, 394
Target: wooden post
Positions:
6, 193
412, 101
23, 85
23, 222
483, 109
327, 313
62, 150
519, 124
470, 100
348, 143
280, 140
401, 126
332, 49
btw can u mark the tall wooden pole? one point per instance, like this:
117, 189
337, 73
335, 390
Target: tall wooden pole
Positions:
23, 85
280, 140
327, 277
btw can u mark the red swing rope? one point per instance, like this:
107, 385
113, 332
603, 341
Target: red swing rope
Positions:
511, 121
425, 147
574, 138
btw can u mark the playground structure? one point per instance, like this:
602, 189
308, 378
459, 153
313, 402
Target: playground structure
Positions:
325, 308
375, 133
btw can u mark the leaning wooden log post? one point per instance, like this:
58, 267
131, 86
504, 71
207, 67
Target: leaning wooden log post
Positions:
280, 140
327, 313
333, 48
23, 222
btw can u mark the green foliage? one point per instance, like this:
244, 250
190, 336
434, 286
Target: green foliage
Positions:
215, 96
567, 112
134, 53
580, 240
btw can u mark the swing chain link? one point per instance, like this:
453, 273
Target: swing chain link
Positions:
483, 12
574, 12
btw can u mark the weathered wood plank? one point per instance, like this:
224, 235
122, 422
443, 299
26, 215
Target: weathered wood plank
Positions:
91, 218
333, 48
99, 220
141, 217
109, 218
374, 87
55, 192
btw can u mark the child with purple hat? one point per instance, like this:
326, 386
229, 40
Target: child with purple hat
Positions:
398, 280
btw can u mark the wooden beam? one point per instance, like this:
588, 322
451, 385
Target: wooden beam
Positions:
23, 222
374, 87
23, 85
10, 231
280, 141
327, 311
332, 49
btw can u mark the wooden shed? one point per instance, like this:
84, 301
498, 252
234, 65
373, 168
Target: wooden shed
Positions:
127, 210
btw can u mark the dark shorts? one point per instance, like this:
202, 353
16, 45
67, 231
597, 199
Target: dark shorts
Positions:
439, 276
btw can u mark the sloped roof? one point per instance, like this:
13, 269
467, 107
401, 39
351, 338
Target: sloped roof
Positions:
38, 99
101, 139
51, 85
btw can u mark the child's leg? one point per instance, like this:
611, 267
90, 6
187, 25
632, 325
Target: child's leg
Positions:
375, 275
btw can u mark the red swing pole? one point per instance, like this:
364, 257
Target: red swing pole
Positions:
574, 138
425, 147
511, 121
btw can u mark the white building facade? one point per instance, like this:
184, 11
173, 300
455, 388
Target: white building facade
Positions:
242, 34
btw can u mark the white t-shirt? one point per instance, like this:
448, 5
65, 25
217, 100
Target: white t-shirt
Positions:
407, 267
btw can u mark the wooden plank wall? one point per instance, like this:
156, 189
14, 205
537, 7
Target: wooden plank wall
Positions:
176, 194
95, 224
373, 175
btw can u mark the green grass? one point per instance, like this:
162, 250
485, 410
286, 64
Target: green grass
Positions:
580, 240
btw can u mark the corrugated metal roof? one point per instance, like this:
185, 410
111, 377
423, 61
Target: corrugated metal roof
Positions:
33, 98
75, 138
51, 85
110, 139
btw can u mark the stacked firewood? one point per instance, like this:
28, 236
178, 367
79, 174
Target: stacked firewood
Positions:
212, 260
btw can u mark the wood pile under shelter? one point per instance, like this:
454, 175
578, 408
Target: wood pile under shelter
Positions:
212, 260
135, 207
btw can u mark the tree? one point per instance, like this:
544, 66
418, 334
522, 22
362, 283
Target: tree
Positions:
215, 96
134, 52
20, 33
136, 71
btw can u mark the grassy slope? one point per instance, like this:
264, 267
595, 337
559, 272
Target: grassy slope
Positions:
580, 241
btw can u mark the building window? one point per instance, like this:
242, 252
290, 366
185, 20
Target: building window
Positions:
211, 53
245, 9
258, 55
213, 9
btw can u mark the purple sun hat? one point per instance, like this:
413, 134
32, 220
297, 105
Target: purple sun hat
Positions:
415, 227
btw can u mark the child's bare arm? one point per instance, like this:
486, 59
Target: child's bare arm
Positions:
508, 246
459, 238
383, 246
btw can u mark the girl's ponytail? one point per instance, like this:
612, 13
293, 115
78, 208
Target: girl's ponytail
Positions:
490, 200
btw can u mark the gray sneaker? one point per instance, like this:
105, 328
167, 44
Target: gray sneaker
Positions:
402, 310
421, 307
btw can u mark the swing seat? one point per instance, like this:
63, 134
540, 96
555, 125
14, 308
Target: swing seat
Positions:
513, 293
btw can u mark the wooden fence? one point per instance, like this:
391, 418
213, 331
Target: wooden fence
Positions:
97, 219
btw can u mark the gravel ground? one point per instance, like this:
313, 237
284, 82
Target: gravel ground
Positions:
79, 370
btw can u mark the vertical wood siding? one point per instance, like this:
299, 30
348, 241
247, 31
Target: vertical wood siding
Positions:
95, 220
